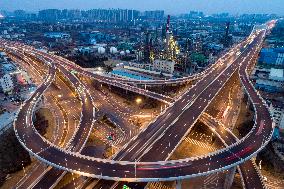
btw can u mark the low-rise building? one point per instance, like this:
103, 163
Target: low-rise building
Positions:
272, 57
140, 65
276, 74
56, 35
278, 116
270, 82
6, 83
269, 85
164, 66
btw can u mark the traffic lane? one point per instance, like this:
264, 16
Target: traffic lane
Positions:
198, 84
225, 135
251, 178
176, 108
216, 162
184, 125
33, 65
40, 169
81, 140
178, 131
58, 120
50, 177
86, 121
32, 176
78, 140
115, 83
108, 167
248, 171
110, 109
108, 79
24, 116
158, 150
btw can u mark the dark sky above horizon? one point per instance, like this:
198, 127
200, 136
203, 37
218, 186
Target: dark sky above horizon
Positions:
170, 6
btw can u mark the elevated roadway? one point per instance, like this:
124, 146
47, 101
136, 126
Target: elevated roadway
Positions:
81, 134
248, 170
120, 83
159, 141
170, 170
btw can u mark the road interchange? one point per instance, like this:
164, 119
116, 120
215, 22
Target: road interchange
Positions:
163, 170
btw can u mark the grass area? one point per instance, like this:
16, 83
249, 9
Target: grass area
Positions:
93, 140
12, 155
47, 115
271, 162
244, 122
107, 121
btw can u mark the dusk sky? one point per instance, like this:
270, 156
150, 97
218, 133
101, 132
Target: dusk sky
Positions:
170, 6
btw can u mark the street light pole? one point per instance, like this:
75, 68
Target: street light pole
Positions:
135, 167
24, 168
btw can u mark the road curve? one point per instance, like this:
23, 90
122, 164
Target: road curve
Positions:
147, 171
248, 171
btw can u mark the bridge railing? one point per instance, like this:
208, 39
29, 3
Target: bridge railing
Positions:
244, 81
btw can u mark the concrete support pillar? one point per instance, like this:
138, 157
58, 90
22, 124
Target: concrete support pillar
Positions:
42, 101
229, 178
178, 184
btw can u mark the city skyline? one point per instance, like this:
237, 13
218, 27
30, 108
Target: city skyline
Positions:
170, 7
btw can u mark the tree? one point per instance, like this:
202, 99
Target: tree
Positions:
108, 69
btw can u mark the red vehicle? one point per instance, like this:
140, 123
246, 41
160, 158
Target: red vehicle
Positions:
239, 154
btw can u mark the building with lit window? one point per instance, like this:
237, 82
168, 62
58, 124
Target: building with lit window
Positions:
6, 83
166, 66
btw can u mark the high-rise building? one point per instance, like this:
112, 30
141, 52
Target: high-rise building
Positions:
157, 14
49, 15
20, 14
73, 14
112, 15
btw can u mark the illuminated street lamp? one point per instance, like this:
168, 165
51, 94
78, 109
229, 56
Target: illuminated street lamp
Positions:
138, 100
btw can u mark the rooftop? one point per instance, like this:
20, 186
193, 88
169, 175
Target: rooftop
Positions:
276, 74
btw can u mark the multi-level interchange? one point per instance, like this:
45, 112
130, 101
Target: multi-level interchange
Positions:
145, 157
